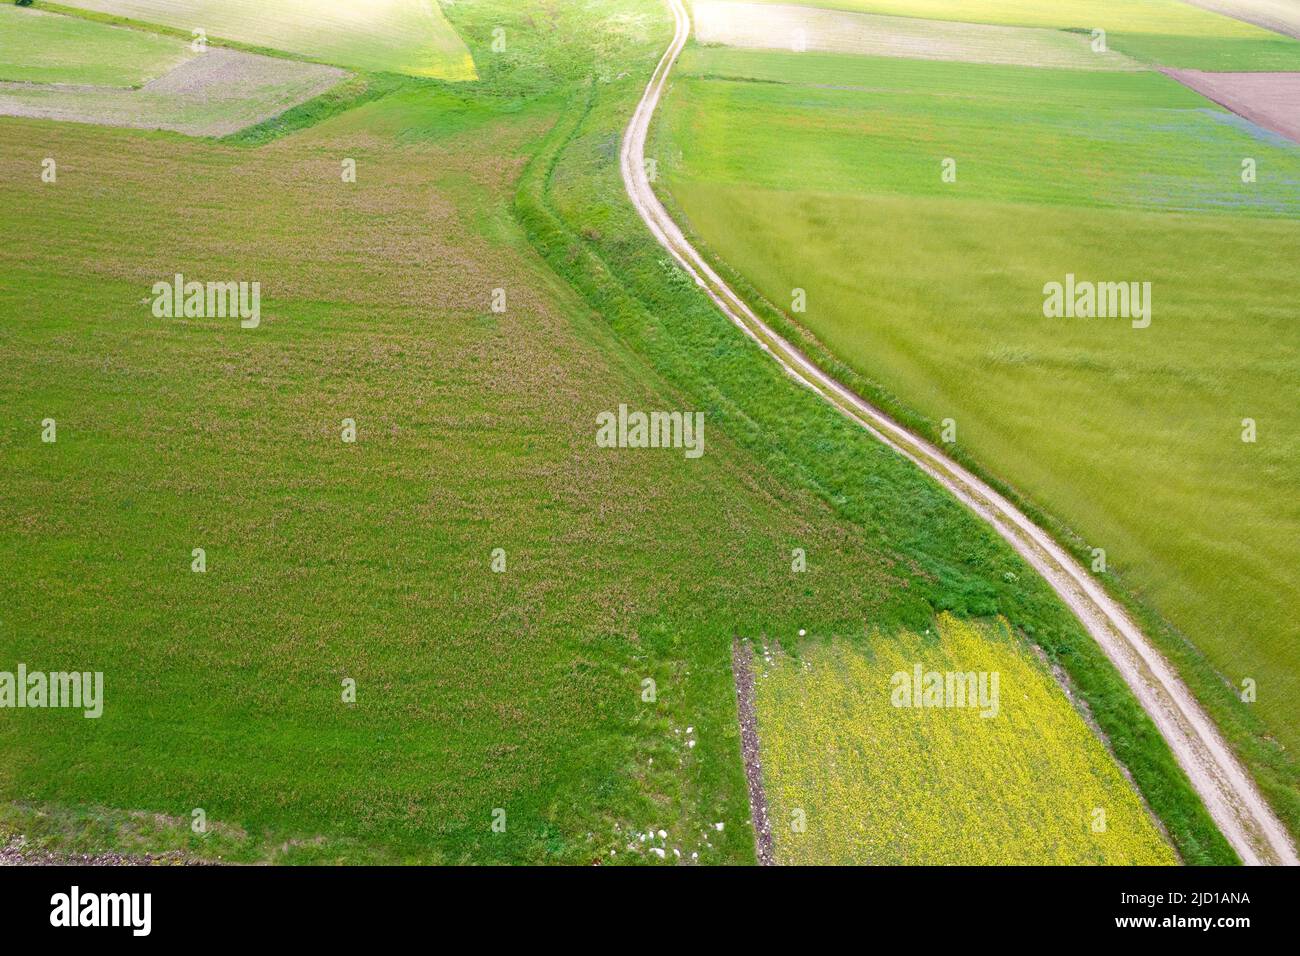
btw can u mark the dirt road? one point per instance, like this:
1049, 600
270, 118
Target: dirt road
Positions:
1229, 793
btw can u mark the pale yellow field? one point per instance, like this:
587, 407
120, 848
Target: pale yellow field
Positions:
874, 783
800, 29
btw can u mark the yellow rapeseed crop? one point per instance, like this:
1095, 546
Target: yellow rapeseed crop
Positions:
855, 774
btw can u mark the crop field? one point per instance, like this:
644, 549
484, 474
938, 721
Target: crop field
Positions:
1280, 16
213, 94
857, 773
45, 48
326, 560
931, 294
66, 68
398, 36
872, 125
1160, 32
803, 29
361, 580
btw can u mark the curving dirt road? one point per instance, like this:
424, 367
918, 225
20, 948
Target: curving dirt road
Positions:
1223, 784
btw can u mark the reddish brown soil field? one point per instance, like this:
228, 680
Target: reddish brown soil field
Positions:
1271, 100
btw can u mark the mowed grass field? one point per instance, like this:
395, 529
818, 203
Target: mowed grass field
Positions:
1159, 32
853, 779
47, 48
930, 294
397, 36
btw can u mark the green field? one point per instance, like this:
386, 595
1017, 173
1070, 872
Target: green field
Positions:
931, 293
215, 94
751, 25
399, 36
844, 125
46, 48
853, 779
328, 560
1160, 32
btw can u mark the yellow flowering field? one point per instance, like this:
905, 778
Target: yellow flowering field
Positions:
948, 747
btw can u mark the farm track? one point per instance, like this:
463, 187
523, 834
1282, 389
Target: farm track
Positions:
1229, 794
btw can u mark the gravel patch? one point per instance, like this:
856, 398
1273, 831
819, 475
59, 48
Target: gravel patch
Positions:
16, 853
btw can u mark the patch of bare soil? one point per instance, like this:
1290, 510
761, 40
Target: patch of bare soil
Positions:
744, 675
1270, 100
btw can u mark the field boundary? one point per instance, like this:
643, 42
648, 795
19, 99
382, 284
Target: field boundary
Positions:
1228, 792
750, 751
1255, 14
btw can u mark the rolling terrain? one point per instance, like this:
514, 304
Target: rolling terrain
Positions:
434, 620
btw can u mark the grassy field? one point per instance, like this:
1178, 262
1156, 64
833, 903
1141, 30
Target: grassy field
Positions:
1161, 32
845, 125
371, 560
47, 48
399, 36
852, 778
215, 94
931, 295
